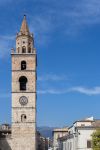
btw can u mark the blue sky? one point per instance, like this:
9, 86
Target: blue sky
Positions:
67, 39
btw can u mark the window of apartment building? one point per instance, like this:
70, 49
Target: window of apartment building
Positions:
70, 145
82, 125
89, 144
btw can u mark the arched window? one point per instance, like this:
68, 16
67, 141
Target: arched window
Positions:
23, 49
29, 50
23, 118
23, 65
23, 81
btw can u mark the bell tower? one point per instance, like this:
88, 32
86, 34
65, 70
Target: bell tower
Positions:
24, 91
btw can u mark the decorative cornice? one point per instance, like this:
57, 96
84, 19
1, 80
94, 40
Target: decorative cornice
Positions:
22, 107
24, 92
24, 70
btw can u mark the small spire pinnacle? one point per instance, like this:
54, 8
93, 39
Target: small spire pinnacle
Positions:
24, 27
24, 16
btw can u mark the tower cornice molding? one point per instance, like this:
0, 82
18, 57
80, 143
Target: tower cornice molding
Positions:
24, 92
25, 54
24, 71
24, 107
23, 35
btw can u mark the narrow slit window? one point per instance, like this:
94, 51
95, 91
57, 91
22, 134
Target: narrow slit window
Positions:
23, 65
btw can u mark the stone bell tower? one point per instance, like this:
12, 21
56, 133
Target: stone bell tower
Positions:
24, 91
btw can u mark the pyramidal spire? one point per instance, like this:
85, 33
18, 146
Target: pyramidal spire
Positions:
24, 27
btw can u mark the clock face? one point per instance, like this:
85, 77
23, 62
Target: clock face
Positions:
23, 100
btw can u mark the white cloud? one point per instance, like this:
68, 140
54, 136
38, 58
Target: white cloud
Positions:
52, 91
42, 27
87, 91
52, 77
80, 15
69, 18
5, 45
9, 37
86, 12
82, 90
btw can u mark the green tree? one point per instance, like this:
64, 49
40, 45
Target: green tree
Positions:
96, 140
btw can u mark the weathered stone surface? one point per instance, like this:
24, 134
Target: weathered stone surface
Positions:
23, 129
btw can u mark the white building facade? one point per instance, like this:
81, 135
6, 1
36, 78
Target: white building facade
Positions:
79, 135
58, 133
